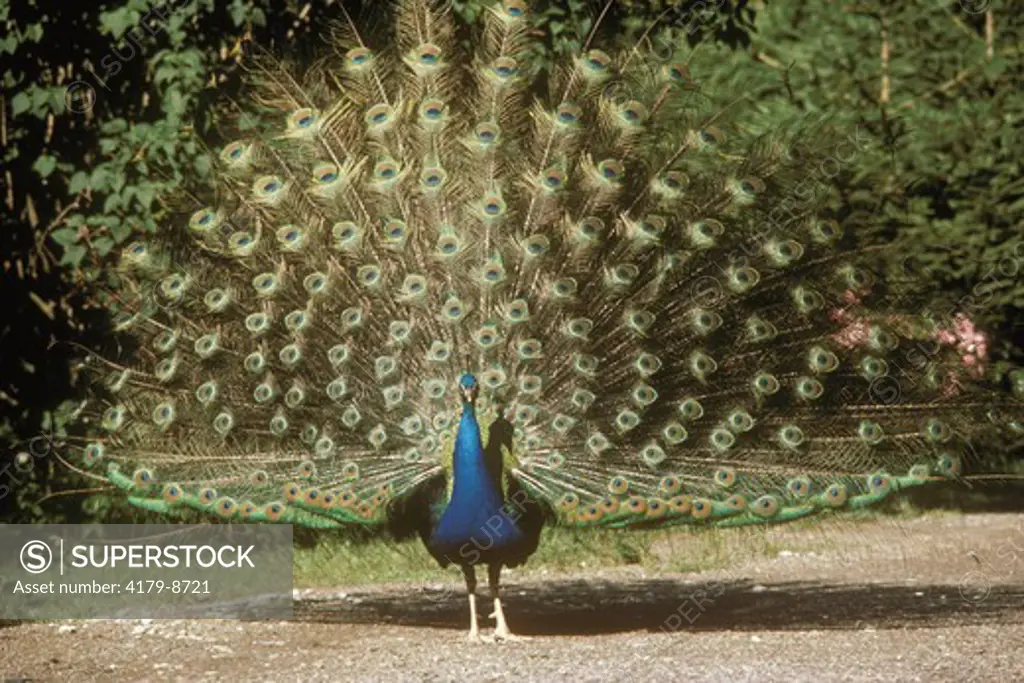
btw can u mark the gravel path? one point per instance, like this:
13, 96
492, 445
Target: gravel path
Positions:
931, 599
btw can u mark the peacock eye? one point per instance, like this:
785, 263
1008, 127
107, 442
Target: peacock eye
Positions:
432, 109
358, 56
505, 67
598, 60
710, 137
633, 112
428, 54
379, 114
553, 179
487, 133
515, 8
610, 169
752, 186
678, 73
568, 114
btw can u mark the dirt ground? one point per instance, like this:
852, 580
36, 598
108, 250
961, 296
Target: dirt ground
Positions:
930, 599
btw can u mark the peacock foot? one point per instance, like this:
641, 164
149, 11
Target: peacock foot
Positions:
504, 635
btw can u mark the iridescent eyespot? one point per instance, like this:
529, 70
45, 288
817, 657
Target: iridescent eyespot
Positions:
552, 179
290, 237
203, 220
427, 54
234, 151
564, 288
711, 137
505, 68
669, 485
379, 114
385, 170
326, 173
487, 133
302, 118
678, 74
432, 110
675, 181
274, 511
493, 206
701, 508
358, 57
267, 186
799, 487
226, 507
597, 61
826, 231
172, 493
143, 478
791, 436
92, 454
433, 178
633, 112
515, 9
610, 169
835, 495
315, 283
751, 186
879, 483
568, 114
766, 506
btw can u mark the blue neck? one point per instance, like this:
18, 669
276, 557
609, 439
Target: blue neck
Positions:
468, 461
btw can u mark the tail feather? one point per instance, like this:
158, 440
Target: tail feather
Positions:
678, 334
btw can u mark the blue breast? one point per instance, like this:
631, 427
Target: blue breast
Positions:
474, 526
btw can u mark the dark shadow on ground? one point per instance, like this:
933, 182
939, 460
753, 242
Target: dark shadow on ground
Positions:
598, 607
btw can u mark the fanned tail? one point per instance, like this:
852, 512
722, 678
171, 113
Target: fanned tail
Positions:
676, 335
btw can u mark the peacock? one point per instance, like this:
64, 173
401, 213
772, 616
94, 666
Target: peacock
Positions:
409, 243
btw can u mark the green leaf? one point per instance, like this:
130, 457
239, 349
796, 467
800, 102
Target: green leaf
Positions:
120, 230
44, 165
114, 126
203, 165
34, 32
73, 256
995, 68
65, 237
144, 195
103, 245
20, 103
112, 203
117, 22
79, 181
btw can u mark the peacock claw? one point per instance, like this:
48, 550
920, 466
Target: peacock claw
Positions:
475, 637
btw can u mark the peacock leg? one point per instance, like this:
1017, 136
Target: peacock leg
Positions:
501, 631
474, 629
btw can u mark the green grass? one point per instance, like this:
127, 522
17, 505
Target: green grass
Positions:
340, 561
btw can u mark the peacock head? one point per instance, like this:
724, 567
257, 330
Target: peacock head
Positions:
469, 387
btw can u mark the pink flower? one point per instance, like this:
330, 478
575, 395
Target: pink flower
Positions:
970, 344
